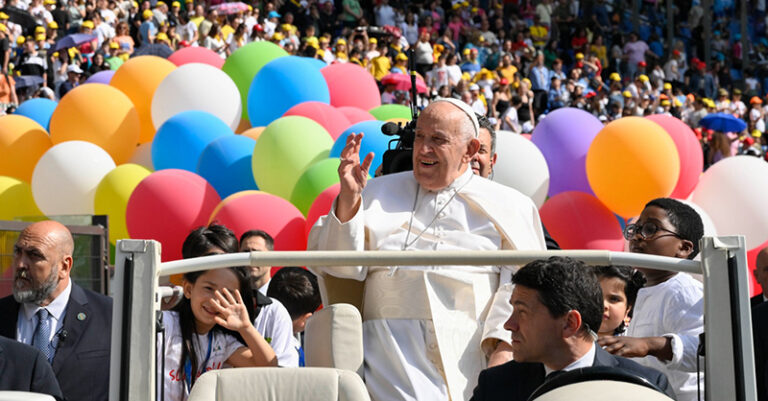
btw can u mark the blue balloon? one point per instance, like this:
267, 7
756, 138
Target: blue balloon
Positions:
226, 164
373, 141
281, 84
180, 141
319, 64
38, 109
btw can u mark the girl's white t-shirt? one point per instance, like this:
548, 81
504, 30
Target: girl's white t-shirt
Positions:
222, 347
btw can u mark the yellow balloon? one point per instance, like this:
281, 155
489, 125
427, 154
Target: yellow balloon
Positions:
99, 114
253, 133
16, 199
112, 196
22, 142
138, 78
631, 161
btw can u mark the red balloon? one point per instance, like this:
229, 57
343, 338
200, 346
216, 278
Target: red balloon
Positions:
256, 210
356, 115
754, 286
577, 220
167, 205
689, 150
322, 205
351, 85
333, 120
196, 55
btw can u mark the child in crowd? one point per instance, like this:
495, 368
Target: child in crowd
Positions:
297, 289
211, 326
620, 285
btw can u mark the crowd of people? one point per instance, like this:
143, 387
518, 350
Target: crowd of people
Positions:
513, 61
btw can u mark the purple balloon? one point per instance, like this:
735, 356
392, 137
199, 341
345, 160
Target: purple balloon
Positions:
564, 137
101, 77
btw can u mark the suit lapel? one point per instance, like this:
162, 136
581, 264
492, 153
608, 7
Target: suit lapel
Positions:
9, 315
75, 323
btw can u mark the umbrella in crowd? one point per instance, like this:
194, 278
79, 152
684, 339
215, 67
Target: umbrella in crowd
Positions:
723, 122
21, 17
402, 82
230, 8
73, 40
154, 49
28, 81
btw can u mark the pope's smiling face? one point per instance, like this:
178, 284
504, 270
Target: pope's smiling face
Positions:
441, 151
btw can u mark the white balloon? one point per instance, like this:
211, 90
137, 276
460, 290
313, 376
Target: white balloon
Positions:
521, 165
66, 176
197, 86
143, 156
734, 192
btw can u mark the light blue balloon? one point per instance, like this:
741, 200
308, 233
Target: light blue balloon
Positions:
180, 141
373, 141
38, 109
281, 84
319, 64
226, 164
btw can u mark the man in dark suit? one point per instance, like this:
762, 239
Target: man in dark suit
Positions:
23, 368
761, 275
70, 325
558, 306
760, 339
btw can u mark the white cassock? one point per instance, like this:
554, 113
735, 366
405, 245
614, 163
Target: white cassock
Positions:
427, 330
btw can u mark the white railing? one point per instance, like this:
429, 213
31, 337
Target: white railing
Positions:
723, 267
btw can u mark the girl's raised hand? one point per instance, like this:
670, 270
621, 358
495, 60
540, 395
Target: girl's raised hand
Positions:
232, 313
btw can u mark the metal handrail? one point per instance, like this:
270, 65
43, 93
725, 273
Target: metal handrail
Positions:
421, 258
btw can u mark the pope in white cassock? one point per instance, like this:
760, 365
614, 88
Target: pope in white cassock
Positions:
429, 331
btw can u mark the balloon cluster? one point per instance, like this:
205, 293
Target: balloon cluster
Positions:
163, 146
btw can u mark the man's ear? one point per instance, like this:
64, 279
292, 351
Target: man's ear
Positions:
571, 323
65, 267
685, 249
473, 146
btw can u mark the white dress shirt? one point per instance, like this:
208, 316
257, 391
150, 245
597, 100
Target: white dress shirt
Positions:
27, 321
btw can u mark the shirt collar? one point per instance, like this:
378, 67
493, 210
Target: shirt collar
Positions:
585, 361
55, 308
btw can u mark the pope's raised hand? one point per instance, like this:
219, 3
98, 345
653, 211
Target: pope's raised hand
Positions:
353, 176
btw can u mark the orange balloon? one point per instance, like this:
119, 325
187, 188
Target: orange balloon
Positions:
22, 142
630, 162
245, 125
138, 78
253, 133
99, 114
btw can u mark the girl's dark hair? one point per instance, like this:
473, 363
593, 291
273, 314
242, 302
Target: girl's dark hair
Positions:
633, 282
203, 241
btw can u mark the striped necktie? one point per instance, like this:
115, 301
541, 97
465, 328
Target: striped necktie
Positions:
42, 338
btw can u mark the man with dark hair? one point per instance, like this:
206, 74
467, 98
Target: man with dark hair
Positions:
669, 312
558, 307
298, 290
258, 240
24, 368
272, 318
761, 276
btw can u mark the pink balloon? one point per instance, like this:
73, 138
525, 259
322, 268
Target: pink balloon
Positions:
196, 55
256, 210
689, 150
577, 220
526, 136
322, 205
351, 85
167, 205
355, 114
333, 120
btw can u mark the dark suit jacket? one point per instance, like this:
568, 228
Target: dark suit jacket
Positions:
756, 300
760, 338
515, 381
81, 363
24, 368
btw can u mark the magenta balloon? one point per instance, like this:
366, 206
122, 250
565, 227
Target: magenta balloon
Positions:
564, 137
356, 115
333, 120
351, 85
101, 77
689, 150
196, 55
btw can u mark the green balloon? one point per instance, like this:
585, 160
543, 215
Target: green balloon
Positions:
316, 179
287, 147
245, 63
389, 111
